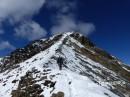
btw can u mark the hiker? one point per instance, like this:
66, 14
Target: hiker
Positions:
60, 61
1, 80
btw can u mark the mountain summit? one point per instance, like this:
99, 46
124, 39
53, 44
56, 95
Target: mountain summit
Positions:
65, 65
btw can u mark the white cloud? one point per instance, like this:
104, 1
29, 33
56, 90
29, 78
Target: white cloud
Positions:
30, 30
63, 24
6, 45
86, 28
16, 10
68, 24
65, 18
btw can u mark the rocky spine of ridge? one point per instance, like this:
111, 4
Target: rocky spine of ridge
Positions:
112, 68
22, 54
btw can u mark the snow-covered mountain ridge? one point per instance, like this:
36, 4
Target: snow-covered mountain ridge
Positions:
87, 70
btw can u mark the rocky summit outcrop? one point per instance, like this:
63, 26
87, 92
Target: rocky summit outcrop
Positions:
85, 70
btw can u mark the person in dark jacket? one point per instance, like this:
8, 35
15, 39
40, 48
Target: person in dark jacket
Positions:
1, 80
60, 61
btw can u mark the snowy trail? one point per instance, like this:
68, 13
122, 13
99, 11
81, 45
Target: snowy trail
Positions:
81, 86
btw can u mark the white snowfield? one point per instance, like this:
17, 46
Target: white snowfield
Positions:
69, 80
126, 69
0, 60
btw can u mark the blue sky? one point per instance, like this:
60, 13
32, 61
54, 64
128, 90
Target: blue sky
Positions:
105, 22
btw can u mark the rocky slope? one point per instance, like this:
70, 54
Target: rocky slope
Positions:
87, 70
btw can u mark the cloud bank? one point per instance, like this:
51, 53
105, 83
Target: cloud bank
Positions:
69, 24
30, 30
65, 18
16, 10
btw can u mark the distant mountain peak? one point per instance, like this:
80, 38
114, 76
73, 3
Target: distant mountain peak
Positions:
64, 65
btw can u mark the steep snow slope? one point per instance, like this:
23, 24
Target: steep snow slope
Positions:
39, 76
0, 60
